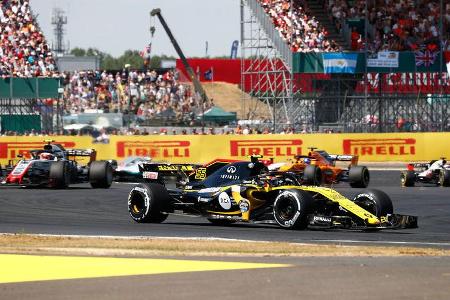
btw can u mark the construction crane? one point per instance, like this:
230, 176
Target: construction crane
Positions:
197, 85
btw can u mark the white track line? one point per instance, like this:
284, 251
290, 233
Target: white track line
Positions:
383, 242
306, 242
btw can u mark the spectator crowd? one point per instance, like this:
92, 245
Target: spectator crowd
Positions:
297, 27
146, 94
24, 52
398, 25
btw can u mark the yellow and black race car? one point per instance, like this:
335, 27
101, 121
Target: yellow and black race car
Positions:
244, 191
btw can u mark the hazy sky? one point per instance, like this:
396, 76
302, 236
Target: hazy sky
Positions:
114, 26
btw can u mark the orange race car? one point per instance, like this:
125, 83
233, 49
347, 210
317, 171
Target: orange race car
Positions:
319, 167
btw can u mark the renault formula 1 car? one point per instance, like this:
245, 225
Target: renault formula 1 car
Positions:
435, 172
246, 192
320, 167
54, 166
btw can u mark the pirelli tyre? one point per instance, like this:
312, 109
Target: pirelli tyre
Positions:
376, 202
146, 202
359, 177
59, 174
408, 178
312, 175
444, 178
100, 174
291, 209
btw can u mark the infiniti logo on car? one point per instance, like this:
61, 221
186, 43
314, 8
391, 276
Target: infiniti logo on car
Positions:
231, 169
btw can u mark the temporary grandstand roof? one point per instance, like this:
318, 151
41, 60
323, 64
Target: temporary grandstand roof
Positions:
217, 114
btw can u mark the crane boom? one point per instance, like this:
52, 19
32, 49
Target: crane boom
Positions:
197, 85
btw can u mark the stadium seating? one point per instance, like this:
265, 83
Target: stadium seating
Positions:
24, 52
297, 27
393, 25
147, 94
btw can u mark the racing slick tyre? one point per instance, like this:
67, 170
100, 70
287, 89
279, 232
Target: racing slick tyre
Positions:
359, 177
312, 175
146, 201
291, 209
444, 177
375, 201
60, 174
100, 174
408, 178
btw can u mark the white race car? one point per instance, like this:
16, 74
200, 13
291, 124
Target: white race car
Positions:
128, 169
435, 172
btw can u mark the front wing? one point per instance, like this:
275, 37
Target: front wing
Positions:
391, 221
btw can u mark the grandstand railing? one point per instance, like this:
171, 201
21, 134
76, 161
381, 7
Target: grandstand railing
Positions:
273, 34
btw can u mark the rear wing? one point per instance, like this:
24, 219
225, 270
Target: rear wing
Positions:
352, 158
159, 171
186, 172
91, 153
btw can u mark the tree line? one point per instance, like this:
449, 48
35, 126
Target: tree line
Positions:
131, 57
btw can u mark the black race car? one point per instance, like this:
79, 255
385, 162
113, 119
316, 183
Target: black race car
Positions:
54, 166
436, 172
227, 192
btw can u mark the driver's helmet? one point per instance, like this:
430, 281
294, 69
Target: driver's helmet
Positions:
307, 161
46, 156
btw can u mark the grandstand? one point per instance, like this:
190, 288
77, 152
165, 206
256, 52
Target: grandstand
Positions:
404, 89
355, 66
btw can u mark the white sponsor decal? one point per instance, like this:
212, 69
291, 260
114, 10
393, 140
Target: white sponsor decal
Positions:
231, 169
224, 200
150, 175
210, 190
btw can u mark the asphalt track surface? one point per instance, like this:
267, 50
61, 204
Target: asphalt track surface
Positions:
81, 210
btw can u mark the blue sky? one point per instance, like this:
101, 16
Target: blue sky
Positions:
114, 26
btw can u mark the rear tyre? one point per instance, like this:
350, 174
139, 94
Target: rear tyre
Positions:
444, 177
312, 175
408, 178
146, 202
100, 174
359, 177
60, 174
376, 202
291, 209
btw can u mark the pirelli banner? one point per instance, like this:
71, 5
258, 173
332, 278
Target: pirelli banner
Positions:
204, 148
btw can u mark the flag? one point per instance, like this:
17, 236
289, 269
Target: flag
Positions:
447, 61
425, 57
146, 52
209, 75
339, 62
234, 49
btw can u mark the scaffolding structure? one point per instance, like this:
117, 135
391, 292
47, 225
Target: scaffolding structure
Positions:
266, 69
339, 102
59, 20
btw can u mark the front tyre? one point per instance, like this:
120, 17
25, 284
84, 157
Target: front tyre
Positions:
291, 209
376, 202
408, 178
146, 202
444, 177
60, 174
359, 177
